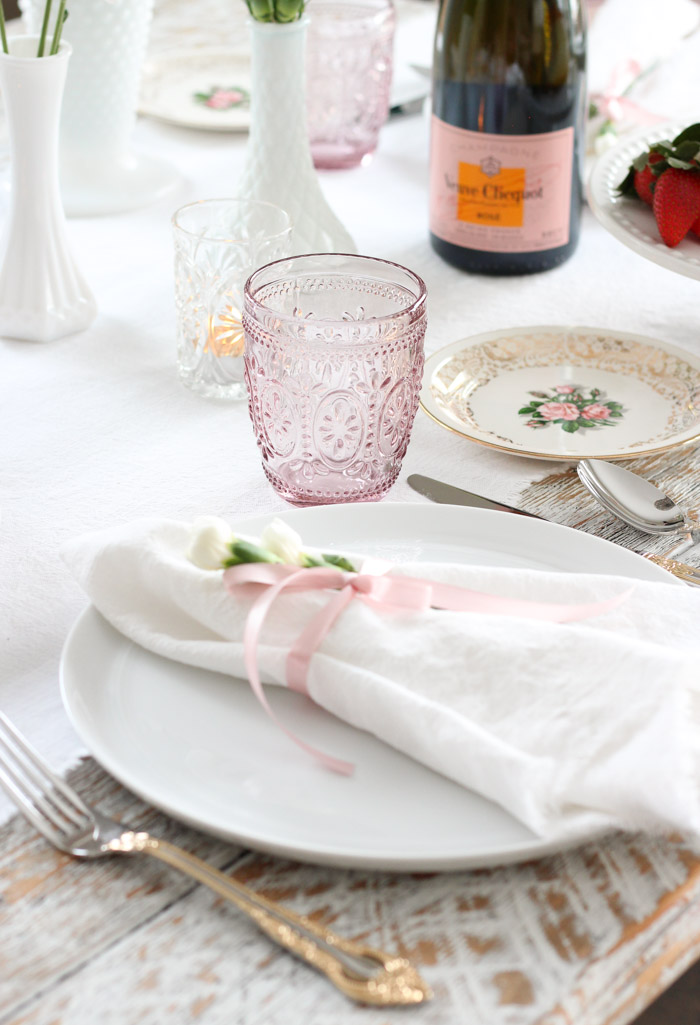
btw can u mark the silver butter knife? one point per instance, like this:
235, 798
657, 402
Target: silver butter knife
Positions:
448, 494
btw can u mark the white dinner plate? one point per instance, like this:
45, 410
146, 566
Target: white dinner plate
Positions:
628, 219
565, 393
198, 745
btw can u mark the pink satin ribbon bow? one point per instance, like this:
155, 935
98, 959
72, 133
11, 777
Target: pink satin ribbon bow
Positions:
613, 102
266, 581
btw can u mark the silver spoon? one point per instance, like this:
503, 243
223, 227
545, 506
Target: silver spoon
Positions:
637, 501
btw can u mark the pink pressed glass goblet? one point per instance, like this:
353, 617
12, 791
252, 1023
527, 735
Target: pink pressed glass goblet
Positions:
333, 365
349, 61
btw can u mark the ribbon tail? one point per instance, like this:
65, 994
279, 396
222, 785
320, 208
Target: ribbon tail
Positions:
458, 599
302, 650
251, 636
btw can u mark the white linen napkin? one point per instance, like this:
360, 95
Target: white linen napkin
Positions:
570, 727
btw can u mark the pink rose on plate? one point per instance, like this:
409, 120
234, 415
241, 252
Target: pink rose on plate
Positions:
221, 99
565, 389
558, 411
596, 411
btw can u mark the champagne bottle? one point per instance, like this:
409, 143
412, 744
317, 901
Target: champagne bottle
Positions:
507, 133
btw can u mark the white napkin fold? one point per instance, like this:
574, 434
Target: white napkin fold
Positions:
570, 727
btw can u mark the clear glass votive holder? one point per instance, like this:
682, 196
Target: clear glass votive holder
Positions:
218, 244
333, 362
349, 61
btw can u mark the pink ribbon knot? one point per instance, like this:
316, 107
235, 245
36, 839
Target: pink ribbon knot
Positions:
614, 104
264, 582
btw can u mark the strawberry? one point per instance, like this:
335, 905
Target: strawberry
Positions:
695, 226
643, 180
676, 203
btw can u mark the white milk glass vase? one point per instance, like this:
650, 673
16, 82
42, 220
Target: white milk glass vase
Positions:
279, 167
99, 171
42, 293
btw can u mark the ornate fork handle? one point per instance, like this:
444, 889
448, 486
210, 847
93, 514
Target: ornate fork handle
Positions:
690, 574
360, 971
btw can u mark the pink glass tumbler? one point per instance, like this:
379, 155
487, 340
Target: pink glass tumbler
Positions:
349, 61
333, 365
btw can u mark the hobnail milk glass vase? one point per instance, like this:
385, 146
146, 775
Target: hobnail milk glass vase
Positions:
279, 167
42, 293
99, 172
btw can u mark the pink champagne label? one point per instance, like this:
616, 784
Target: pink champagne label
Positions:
500, 193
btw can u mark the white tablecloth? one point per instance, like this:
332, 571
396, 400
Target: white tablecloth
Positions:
96, 428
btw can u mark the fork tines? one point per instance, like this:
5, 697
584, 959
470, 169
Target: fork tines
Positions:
52, 807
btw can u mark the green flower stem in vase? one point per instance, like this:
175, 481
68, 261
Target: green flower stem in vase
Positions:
3, 33
44, 28
60, 19
58, 29
276, 10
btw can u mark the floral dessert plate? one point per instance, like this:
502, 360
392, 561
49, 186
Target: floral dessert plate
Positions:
198, 745
628, 219
202, 88
565, 393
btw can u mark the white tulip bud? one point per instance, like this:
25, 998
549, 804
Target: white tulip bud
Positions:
209, 542
283, 541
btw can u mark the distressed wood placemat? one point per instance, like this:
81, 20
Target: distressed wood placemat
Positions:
562, 498
589, 937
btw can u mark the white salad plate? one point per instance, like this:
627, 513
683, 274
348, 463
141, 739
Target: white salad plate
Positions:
566, 393
198, 745
198, 88
628, 219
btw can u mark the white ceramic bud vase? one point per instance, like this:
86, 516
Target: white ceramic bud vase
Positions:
279, 167
99, 171
42, 293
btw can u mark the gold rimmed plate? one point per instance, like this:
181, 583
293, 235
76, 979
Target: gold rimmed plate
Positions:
565, 393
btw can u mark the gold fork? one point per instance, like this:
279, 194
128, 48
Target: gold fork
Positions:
361, 972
